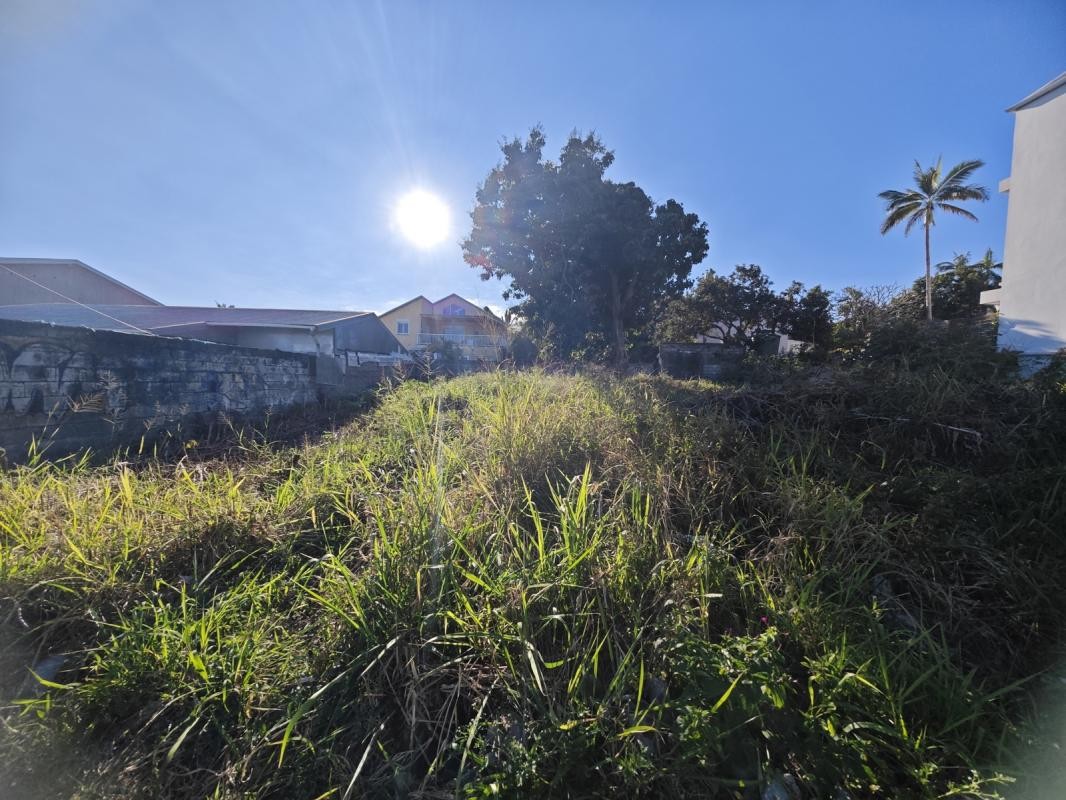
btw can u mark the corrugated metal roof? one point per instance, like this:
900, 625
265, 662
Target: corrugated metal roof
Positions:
152, 318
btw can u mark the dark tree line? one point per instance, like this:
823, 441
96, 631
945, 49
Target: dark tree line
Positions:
598, 268
742, 308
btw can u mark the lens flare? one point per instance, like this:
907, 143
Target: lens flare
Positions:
422, 218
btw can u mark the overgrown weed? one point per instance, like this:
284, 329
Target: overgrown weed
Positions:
533, 584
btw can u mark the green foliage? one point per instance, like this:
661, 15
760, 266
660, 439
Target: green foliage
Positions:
957, 287
590, 259
443, 358
738, 308
742, 308
524, 351
860, 312
545, 585
806, 315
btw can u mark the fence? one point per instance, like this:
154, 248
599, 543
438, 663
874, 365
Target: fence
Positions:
78, 388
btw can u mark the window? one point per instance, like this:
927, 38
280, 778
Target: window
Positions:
454, 310
403, 326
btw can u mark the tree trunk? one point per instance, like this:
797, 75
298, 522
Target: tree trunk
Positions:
617, 329
928, 277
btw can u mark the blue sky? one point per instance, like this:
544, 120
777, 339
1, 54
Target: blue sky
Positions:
250, 152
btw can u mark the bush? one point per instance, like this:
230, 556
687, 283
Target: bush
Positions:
967, 348
524, 351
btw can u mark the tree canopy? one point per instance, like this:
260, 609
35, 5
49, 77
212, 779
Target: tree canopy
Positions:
590, 260
806, 314
741, 308
956, 286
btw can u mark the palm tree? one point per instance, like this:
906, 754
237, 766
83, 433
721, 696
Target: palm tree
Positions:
932, 192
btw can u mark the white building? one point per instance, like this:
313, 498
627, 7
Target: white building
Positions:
1032, 300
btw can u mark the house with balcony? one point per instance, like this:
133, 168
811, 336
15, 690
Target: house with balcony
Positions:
419, 323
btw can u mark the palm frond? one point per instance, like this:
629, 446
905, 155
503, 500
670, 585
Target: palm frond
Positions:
927, 180
988, 261
919, 173
918, 216
900, 213
969, 192
932, 190
957, 264
962, 212
961, 172
894, 198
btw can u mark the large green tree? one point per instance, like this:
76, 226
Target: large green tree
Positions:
591, 261
933, 190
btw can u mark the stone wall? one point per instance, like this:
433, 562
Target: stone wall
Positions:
76, 388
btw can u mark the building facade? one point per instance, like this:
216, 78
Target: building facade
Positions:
1032, 300
421, 323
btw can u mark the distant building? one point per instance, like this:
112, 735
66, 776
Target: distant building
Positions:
769, 343
420, 323
62, 280
1032, 300
326, 333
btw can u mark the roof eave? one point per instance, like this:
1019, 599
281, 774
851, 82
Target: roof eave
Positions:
1047, 88
282, 325
407, 303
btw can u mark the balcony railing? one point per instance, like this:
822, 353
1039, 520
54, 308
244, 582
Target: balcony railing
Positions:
462, 339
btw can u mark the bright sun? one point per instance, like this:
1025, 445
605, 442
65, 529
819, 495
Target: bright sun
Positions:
423, 218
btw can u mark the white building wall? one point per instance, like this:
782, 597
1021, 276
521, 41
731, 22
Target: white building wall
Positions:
1033, 300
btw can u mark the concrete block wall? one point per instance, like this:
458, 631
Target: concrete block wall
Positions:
78, 388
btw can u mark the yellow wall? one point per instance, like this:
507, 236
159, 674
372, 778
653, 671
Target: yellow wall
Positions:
475, 322
410, 311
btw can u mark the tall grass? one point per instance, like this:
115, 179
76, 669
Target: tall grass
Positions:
540, 585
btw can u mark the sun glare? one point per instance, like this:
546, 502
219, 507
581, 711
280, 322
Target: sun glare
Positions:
422, 218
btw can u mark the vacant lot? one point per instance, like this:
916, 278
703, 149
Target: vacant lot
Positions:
829, 585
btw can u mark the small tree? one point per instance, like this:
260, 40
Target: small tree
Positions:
739, 308
932, 192
806, 315
859, 312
